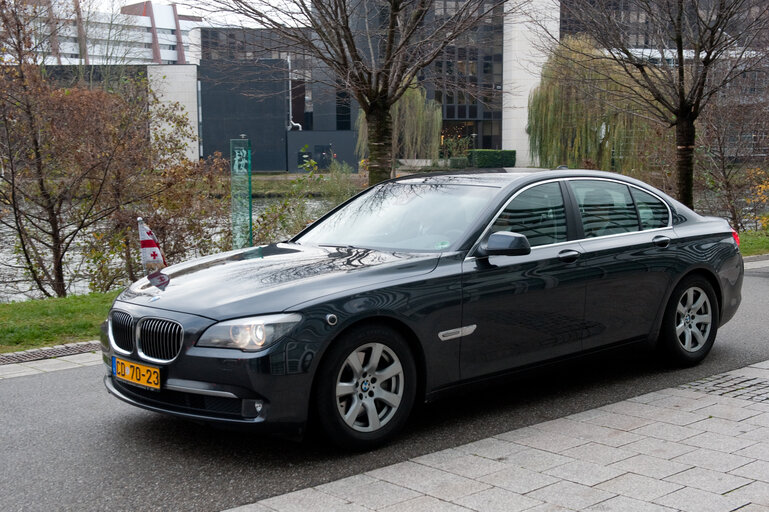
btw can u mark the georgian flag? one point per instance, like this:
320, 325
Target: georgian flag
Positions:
152, 256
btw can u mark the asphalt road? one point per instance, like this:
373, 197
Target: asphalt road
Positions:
65, 444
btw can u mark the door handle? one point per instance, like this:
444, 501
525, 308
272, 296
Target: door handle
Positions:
569, 256
661, 241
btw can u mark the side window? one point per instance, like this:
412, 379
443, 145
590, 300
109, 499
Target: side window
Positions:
538, 213
652, 212
606, 207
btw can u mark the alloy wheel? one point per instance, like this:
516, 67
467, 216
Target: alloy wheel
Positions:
694, 317
369, 387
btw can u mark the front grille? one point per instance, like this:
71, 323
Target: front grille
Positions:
160, 340
122, 331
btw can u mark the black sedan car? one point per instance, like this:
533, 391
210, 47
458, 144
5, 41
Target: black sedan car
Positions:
417, 286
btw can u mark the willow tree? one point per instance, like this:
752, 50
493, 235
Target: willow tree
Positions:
373, 49
674, 57
572, 125
416, 123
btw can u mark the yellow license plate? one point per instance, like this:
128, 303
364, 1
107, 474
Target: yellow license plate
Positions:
135, 373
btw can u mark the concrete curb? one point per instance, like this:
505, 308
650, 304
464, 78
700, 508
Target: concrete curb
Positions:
35, 354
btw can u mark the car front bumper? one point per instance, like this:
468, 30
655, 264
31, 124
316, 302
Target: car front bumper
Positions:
265, 390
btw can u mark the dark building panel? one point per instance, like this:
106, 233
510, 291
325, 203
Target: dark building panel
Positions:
321, 146
245, 98
324, 107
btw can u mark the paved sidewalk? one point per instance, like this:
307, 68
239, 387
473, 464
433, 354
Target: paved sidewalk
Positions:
700, 447
8, 371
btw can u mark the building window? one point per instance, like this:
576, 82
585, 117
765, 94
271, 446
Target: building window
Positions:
343, 110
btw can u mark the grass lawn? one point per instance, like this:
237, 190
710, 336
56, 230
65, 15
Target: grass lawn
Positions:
754, 242
42, 323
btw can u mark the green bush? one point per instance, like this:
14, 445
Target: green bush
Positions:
508, 157
458, 162
487, 158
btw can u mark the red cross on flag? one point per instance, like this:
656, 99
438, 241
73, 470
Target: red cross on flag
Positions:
152, 257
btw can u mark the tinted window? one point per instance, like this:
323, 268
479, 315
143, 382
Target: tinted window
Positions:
606, 207
538, 213
651, 211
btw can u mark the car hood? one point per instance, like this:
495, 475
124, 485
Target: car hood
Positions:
270, 279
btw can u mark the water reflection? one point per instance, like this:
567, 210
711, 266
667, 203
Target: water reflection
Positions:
14, 286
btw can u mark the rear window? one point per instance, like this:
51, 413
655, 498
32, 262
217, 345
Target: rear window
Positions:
652, 212
606, 207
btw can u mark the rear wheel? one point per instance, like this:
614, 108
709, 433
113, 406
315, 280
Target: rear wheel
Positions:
690, 323
366, 387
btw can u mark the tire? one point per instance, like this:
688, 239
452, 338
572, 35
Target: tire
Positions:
690, 323
366, 387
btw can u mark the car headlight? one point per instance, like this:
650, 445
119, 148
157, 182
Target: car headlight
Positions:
249, 334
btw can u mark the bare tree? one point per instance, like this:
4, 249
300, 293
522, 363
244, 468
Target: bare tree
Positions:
673, 57
733, 150
62, 151
374, 49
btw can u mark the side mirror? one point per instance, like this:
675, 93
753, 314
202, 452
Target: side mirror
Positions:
505, 243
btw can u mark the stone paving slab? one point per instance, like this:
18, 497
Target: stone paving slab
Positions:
700, 447
51, 364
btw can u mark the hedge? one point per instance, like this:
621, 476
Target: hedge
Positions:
458, 162
485, 158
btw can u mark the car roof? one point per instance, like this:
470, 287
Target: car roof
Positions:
500, 178
523, 176
479, 178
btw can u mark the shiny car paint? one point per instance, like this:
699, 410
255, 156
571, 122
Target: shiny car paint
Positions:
465, 316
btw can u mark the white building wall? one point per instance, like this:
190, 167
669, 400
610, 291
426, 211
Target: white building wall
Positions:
523, 58
164, 16
194, 53
179, 83
116, 38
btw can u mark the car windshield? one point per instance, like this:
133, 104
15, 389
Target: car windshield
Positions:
409, 215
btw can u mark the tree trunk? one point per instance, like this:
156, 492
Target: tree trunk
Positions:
685, 133
731, 202
128, 259
380, 136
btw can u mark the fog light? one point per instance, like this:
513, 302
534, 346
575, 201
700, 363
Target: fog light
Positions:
252, 408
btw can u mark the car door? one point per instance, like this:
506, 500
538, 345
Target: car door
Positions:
519, 310
626, 251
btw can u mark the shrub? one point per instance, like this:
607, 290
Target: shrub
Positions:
485, 158
458, 162
508, 157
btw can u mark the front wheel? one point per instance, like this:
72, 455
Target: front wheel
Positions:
366, 387
691, 321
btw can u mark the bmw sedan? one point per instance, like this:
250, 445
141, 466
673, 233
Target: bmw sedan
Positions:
417, 286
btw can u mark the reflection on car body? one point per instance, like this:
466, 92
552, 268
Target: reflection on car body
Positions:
419, 285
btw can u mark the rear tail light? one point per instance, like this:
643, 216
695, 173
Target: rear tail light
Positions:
736, 237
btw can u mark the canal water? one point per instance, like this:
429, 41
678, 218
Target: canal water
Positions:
14, 286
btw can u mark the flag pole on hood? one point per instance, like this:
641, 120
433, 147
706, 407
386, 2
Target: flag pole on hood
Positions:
152, 257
